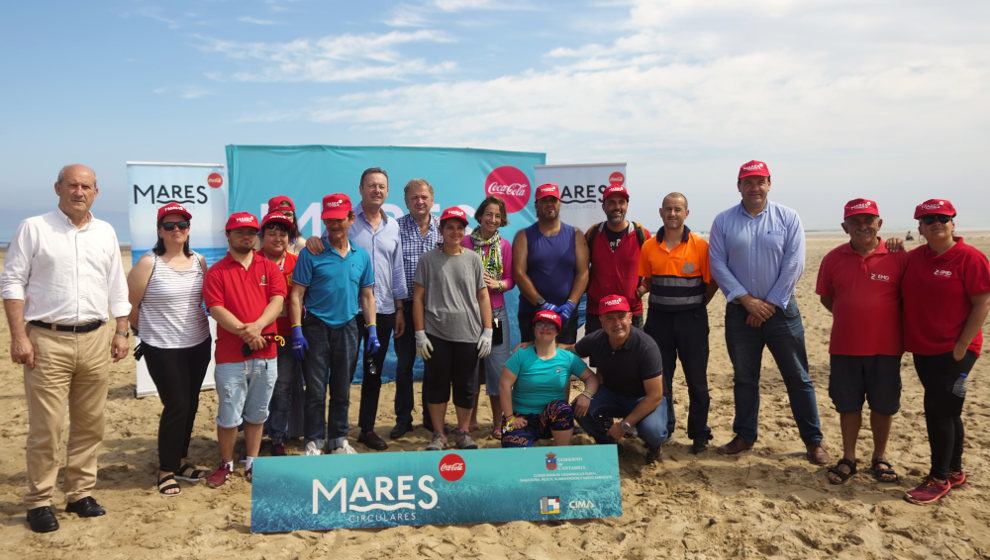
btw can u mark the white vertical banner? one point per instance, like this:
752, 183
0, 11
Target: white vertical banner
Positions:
202, 189
581, 187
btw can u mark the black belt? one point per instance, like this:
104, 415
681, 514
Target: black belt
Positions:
69, 328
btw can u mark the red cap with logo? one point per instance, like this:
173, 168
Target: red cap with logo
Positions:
615, 189
241, 219
934, 206
455, 213
547, 189
613, 303
754, 167
860, 206
547, 315
173, 208
336, 206
279, 203
276, 217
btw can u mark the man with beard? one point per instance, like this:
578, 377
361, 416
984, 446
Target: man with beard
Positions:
550, 267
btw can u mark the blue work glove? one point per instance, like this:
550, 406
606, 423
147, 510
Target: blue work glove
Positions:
373, 344
565, 312
548, 307
299, 344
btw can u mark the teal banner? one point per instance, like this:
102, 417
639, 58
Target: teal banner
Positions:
434, 487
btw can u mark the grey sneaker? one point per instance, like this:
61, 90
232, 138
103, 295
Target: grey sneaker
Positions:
438, 442
345, 449
312, 449
464, 440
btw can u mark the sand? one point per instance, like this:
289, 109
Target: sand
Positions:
768, 502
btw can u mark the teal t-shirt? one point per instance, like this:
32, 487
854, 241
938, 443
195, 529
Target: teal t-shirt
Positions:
541, 381
333, 282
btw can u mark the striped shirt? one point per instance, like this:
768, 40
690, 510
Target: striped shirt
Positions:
171, 313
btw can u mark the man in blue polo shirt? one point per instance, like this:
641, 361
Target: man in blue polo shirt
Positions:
330, 285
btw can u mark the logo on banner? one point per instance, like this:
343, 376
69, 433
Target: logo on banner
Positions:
551, 462
179, 194
382, 494
511, 185
549, 505
452, 467
616, 178
215, 180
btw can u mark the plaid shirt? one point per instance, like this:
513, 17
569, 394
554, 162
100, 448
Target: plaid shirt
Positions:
414, 244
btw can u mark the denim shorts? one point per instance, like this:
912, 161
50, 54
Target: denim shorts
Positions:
244, 390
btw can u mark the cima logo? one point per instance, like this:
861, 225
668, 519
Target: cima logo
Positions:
549, 505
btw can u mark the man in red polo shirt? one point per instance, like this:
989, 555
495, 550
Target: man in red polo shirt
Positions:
859, 282
244, 293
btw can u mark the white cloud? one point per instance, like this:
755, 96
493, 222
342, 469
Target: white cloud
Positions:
256, 21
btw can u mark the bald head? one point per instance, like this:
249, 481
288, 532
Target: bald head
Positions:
673, 212
675, 198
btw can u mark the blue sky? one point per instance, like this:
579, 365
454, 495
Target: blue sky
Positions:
885, 99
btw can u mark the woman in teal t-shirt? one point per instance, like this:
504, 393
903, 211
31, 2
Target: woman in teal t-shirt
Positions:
533, 388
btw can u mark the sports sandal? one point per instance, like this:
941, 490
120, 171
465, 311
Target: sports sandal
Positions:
882, 471
189, 473
843, 476
167, 483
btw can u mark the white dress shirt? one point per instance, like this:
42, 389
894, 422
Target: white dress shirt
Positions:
64, 274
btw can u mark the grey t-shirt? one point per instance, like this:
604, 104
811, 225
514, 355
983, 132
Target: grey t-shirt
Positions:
450, 294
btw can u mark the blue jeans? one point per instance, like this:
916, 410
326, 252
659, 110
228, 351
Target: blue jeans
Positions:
329, 364
783, 335
607, 405
244, 390
288, 392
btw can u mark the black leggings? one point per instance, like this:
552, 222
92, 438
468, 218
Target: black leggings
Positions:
178, 374
452, 364
943, 410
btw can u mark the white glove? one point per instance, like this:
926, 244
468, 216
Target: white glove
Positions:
423, 347
485, 343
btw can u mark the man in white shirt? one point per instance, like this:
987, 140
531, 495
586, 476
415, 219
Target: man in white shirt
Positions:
62, 271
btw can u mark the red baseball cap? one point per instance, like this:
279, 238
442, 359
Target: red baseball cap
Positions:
455, 213
860, 206
336, 206
547, 189
547, 315
754, 167
173, 208
241, 219
615, 189
275, 203
613, 303
276, 217
934, 206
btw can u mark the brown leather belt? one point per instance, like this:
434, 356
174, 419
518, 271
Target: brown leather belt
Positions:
69, 328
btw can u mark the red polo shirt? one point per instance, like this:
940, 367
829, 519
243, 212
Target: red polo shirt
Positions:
245, 293
282, 323
936, 292
866, 300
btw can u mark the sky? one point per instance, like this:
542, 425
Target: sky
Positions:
885, 99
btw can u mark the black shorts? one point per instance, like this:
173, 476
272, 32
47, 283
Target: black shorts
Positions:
567, 335
877, 378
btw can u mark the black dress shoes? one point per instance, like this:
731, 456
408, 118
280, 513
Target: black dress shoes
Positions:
42, 520
372, 440
86, 507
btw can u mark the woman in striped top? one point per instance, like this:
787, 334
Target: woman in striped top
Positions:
166, 293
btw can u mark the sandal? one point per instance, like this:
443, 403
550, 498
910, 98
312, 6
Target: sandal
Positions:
882, 471
167, 483
190, 473
843, 476
496, 433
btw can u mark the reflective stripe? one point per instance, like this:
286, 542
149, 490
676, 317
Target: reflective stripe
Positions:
667, 301
677, 281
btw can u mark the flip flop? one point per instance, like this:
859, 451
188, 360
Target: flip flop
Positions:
169, 484
881, 468
190, 473
843, 476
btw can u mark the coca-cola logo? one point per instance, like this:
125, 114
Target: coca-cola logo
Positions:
215, 180
452, 467
616, 178
511, 185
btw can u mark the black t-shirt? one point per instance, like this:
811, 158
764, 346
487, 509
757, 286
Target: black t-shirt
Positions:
623, 370
614, 237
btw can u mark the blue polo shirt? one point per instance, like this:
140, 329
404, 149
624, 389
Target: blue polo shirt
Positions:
333, 282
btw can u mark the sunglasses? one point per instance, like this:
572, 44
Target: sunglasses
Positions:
930, 219
169, 226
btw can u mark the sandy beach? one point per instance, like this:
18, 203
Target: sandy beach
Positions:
768, 502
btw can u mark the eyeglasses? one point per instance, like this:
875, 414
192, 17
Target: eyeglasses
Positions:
169, 226
545, 325
930, 219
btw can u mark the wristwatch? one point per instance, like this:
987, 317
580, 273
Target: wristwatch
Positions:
626, 426
124, 334
540, 302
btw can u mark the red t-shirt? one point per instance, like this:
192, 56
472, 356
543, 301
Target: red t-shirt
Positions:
614, 272
245, 293
936, 293
282, 323
866, 300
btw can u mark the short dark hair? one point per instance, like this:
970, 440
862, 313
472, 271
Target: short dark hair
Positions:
371, 170
492, 199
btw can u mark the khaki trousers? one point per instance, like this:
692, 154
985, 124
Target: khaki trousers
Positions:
71, 369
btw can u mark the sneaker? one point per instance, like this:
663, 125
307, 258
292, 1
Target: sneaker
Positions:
249, 475
219, 476
464, 441
278, 450
438, 442
957, 479
312, 449
928, 491
345, 449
